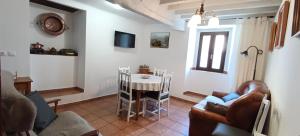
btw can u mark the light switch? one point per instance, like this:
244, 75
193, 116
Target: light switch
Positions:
3, 53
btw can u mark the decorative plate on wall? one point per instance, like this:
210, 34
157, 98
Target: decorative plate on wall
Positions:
52, 23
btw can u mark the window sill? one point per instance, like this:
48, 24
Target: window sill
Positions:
195, 69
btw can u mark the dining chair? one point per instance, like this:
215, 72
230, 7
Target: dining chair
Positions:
160, 97
226, 130
124, 69
159, 72
127, 95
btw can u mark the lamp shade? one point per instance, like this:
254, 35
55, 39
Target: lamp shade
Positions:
214, 21
194, 21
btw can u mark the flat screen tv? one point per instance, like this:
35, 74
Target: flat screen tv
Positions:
124, 40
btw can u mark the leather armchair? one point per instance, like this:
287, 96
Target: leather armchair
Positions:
241, 113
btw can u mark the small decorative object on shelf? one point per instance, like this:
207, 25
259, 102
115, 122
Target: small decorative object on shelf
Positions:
52, 51
36, 48
68, 52
144, 69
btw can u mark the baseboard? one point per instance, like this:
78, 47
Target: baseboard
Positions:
60, 89
85, 101
194, 94
180, 99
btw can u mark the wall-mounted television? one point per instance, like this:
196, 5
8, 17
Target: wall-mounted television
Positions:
124, 40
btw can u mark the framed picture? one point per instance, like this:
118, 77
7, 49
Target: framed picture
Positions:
160, 39
296, 19
282, 24
272, 36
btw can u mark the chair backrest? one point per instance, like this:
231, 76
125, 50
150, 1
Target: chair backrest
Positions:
159, 72
125, 83
261, 115
125, 69
122, 70
166, 83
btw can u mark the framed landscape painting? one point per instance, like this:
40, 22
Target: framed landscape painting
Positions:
160, 40
296, 19
282, 24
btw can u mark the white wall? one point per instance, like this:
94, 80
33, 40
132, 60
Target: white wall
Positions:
37, 35
14, 35
173, 58
52, 71
282, 77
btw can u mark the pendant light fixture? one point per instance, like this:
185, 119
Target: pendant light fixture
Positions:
196, 18
201, 15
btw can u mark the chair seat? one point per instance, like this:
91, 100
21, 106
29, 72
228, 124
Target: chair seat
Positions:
226, 130
155, 94
134, 94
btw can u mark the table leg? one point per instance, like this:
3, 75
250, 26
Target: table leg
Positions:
137, 103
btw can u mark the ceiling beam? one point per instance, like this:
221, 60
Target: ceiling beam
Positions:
239, 13
229, 3
170, 2
229, 7
173, 2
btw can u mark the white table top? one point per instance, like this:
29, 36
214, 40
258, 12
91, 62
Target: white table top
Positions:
150, 84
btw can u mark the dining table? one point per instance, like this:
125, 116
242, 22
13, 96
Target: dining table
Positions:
142, 83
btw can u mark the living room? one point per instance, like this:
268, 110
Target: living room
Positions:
92, 73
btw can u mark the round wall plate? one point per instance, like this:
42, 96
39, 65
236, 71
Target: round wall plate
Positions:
52, 23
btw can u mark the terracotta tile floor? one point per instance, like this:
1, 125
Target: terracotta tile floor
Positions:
101, 114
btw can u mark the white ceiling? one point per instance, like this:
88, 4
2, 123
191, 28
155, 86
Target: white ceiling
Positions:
176, 12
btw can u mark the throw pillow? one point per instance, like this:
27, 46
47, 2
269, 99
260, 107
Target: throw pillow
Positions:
214, 99
230, 96
216, 108
45, 114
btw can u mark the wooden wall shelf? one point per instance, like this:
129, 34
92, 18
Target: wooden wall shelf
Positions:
52, 54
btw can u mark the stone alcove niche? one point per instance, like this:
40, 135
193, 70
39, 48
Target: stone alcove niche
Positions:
56, 75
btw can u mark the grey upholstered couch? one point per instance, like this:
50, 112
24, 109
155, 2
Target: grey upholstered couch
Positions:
19, 114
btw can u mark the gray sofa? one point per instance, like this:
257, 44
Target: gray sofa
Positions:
19, 114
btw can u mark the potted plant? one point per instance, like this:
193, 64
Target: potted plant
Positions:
144, 69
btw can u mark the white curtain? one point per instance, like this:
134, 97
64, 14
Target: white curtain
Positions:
254, 32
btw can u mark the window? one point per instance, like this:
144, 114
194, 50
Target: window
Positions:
212, 51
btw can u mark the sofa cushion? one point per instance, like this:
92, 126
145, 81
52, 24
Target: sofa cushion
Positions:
230, 96
216, 108
67, 124
45, 114
226, 130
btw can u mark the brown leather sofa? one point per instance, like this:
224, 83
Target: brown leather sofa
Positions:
241, 113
